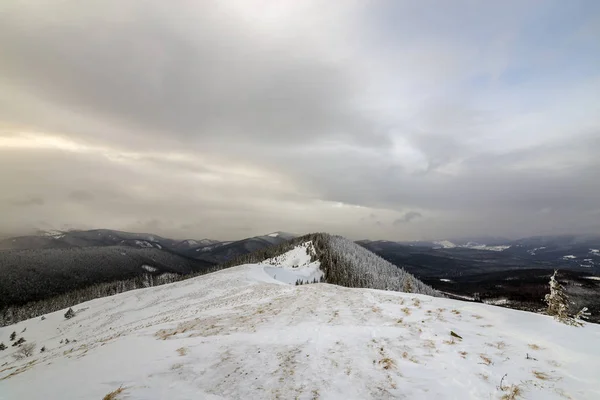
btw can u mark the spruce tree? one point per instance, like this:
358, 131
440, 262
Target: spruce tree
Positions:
2, 346
13, 336
70, 313
558, 304
557, 300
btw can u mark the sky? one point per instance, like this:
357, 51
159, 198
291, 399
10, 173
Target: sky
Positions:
396, 120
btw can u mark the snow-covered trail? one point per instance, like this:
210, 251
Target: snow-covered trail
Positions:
240, 334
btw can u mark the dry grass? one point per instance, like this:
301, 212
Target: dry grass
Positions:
512, 392
463, 354
485, 359
533, 346
387, 363
417, 302
542, 376
376, 309
406, 310
455, 312
450, 342
400, 321
430, 344
406, 356
182, 351
476, 316
497, 345
484, 377
113, 395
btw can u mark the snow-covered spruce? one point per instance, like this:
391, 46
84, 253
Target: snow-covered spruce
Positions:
558, 304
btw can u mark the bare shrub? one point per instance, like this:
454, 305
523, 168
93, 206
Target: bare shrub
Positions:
24, 351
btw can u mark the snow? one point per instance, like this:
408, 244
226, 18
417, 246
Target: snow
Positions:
595, 278
497, 302
569, 257
489, 248
532, 252
445, 244
274, 234
595, 252
295, 264
143, 243
240, 334
149, 268
445, 280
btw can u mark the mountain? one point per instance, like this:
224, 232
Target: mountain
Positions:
212, 251
242, 333
39, 274
41, 281
225, 251
513, 274
344, 263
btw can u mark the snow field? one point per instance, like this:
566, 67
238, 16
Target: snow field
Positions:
240, 334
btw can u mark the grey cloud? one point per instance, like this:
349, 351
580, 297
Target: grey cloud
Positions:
81, 196
187, 76
192, 121
32, 201
407, 217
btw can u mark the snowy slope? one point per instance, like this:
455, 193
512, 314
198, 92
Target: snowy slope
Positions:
240, 334
295, 265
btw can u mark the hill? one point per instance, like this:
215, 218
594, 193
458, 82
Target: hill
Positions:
33, 281
240, 333
344, 263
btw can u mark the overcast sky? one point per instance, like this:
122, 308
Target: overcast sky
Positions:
373, 119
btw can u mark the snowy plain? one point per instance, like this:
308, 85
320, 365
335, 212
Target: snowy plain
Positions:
241, 334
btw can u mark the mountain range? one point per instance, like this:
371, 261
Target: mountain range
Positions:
495, 270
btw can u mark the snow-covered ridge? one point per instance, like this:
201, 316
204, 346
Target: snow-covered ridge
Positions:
295, 265
240, 334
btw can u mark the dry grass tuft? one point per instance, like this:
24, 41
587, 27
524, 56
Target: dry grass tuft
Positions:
417, 302
449, 342
400, 321
533, 346
486, 360
484, 377
182, 351
113, 395
542, 375
513, 392
463, 354
476, 316
406, 310
387, 363
497, 345
376, 309
430, 344
455, 312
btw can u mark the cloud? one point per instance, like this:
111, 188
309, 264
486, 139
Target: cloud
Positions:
408, 217
81, 196
213, 119
32, 201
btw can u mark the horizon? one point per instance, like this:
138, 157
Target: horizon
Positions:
234, 239
389, 120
